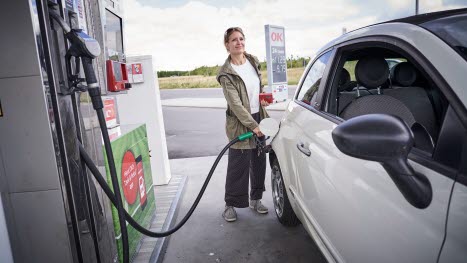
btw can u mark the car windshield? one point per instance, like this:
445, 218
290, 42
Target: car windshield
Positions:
453, 30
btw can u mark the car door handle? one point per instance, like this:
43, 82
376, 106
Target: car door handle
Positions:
303, 149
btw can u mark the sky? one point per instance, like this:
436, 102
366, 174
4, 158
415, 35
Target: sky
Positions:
185, 34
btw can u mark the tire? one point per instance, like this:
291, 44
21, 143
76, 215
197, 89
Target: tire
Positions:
282, 207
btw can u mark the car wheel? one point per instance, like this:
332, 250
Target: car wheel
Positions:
282, 206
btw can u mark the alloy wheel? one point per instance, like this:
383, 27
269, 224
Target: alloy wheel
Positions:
277, 191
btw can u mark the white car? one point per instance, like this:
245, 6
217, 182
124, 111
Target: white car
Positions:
372, 161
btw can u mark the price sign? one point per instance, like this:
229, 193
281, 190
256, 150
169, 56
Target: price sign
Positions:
276, 61
279, 65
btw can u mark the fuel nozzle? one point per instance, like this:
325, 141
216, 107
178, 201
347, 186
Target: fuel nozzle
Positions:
86, 48
259, 141
269, 127
261, 144
82, 45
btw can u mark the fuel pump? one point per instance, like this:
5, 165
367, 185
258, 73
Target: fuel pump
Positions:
84, 49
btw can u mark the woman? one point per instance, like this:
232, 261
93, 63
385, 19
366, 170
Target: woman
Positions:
240, 79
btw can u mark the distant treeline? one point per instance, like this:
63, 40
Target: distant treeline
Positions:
292, 62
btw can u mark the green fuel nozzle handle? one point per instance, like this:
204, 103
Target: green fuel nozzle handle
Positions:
245, 136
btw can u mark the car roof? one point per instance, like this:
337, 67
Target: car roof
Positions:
422, 18
410, 21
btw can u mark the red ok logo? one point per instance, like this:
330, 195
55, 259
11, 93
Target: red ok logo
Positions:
276, 36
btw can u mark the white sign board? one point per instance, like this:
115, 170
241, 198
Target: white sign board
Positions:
276, 62
110, 111
137, 72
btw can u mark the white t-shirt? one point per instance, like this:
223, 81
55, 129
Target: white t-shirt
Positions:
249, 76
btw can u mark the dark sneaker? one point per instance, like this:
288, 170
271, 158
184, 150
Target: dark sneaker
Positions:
229, 214
258, 206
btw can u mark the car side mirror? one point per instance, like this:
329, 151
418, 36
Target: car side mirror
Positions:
269, 127
388, 140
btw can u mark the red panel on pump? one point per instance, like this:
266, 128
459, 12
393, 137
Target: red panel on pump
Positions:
117, 76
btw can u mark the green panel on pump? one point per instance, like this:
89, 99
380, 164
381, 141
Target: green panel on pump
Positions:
132, 162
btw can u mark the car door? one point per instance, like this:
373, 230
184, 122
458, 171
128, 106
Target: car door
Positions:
456, 233
357, 210
290, 134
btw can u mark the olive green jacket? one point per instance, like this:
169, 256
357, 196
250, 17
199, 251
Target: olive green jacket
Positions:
238, 114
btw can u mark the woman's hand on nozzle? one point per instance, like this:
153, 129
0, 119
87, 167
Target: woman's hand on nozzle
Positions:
258, 132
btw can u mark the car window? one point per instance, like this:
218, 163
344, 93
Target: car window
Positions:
310, 85
388, 83
350, 65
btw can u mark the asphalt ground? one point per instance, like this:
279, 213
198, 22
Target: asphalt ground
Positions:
207, 237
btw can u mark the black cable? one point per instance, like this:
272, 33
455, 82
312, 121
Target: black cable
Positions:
116, 188
100, 179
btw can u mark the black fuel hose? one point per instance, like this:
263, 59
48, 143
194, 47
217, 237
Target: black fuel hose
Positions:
102, 182
113, 175
60, 21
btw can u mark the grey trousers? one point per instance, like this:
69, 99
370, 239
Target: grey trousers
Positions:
244, 165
